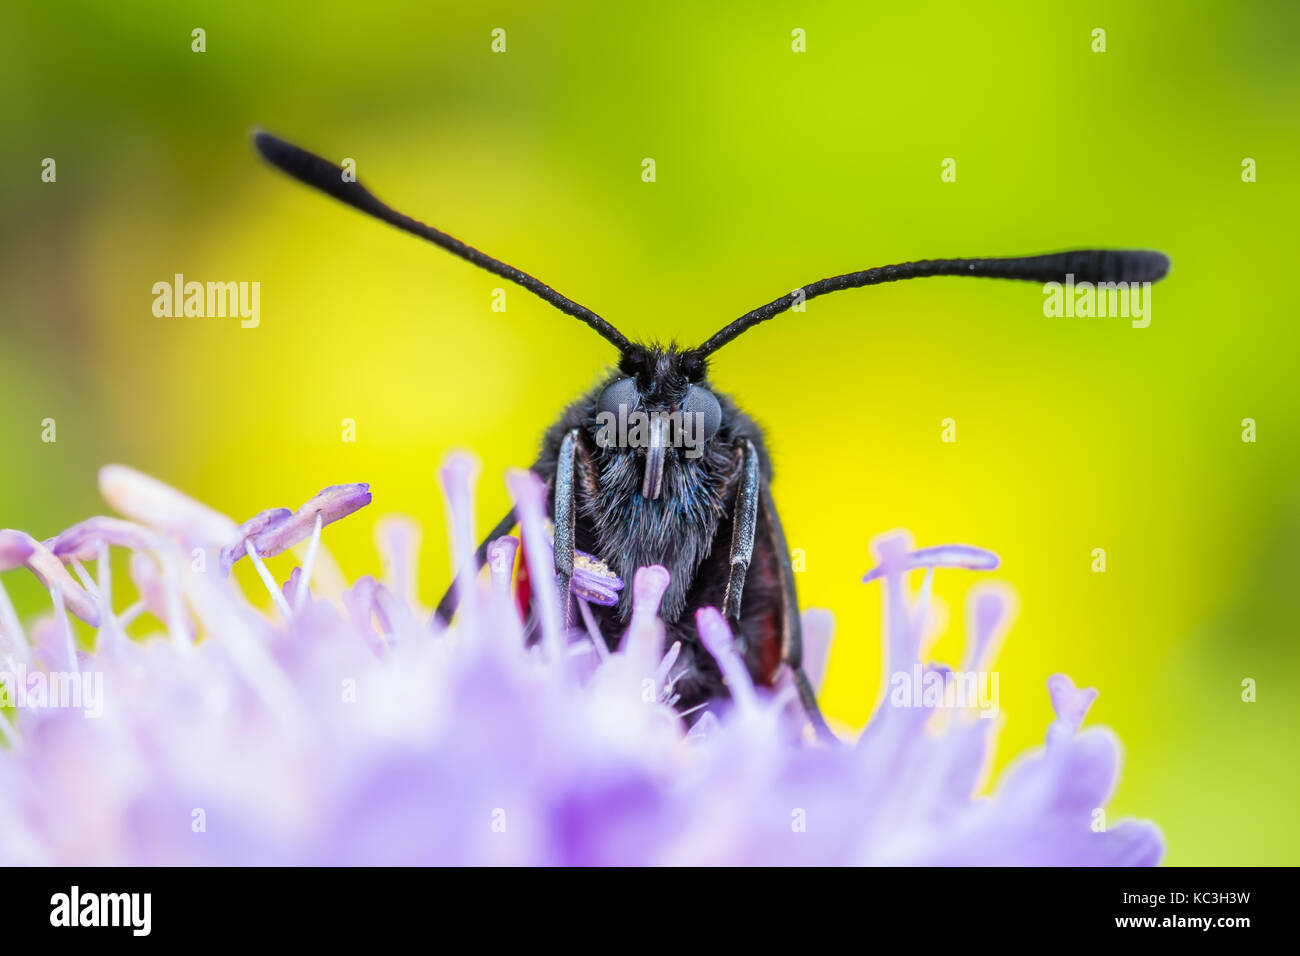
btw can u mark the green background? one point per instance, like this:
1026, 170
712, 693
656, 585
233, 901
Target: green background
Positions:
774, 168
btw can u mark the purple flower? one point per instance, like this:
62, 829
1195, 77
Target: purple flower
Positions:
350, 732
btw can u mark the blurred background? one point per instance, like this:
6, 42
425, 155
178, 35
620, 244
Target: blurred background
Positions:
773, 169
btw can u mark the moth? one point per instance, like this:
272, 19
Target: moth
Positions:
683, 479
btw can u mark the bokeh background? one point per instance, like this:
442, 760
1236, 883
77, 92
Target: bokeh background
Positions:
774, 168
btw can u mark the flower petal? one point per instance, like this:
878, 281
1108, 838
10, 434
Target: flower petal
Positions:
1071, 705
942, 556
82, 540
594, 581
150, 582
331, 504
260, 523
818, 629
162, 507
501, 562
46, 565
15, 549
529, 494
717, 639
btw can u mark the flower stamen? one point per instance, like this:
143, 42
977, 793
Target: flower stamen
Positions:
308, 562
272, 588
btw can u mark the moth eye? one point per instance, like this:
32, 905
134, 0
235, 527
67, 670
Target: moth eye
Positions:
701, 401
621, 394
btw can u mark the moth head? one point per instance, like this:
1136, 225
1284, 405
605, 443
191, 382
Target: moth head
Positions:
657, 405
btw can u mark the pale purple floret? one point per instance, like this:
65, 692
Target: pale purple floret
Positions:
248, 531
331, 504
84, 539
1071, 705
157, 596
942, 556
648, 588
65, 592
529, 495
155, 505
593, 580
501, 554
15, 549
717, 639
351, 733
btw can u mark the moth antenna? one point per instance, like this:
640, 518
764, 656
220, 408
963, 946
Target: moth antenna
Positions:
1086, 265
328, 178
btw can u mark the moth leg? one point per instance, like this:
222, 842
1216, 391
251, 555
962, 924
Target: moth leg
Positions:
792, 650
447, 606
743, 523
564, 519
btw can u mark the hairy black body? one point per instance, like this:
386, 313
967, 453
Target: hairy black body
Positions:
687, 529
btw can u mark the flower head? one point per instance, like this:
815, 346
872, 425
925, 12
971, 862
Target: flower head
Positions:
350, 731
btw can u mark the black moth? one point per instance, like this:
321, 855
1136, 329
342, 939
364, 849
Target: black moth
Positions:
706, 516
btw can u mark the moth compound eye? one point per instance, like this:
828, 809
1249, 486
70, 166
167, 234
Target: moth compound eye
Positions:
619, 399
700, 401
